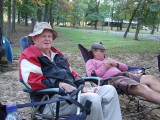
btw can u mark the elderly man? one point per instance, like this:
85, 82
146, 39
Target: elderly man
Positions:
146, 86
43, 66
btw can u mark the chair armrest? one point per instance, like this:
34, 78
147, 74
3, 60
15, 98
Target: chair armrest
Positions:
46, 91
97, 80
130, 68
92, 78
141, 70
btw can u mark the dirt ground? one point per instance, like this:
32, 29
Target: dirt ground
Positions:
12, 90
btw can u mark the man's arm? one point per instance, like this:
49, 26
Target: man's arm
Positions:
90, 67
113, 63
31, 74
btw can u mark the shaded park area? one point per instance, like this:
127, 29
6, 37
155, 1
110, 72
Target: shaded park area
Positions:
134, 53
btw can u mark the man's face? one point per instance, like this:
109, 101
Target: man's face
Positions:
44, 41
99, 54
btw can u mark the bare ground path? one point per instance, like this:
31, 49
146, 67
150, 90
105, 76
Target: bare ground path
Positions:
11, 89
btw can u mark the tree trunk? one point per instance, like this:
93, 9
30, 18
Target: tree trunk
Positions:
102, 24
9, 21
112, 19
79, 22
130, 21
154, 25
19, 16
13, 16
1, 15
91, 24
139, 20
153, 29
118, 26
121, 24
51, 15
137, 30
46, 12
158, 28
95, 25
39, 14
26, 14
33, 23
26, 19
97, 12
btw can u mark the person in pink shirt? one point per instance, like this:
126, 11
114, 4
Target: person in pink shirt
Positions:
146, 86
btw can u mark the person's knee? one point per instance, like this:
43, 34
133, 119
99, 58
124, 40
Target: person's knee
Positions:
94, 98
96, 101
139, 89
108, 92
109, 87
147, 77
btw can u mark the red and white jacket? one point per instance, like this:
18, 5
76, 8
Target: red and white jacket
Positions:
32, 72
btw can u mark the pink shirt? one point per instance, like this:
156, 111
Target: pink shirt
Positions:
100, 69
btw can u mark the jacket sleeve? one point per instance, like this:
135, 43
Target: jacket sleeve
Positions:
122, 67
79, 81
51, 83
74, 73
31, 74
90, 67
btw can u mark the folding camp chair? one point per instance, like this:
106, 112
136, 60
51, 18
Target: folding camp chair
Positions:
37, 105
87, 54
25, 42
71, 99
47, 93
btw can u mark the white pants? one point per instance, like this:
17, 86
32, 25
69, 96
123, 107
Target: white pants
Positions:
105, 105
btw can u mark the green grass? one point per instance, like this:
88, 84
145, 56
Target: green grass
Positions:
106, 28
69, 39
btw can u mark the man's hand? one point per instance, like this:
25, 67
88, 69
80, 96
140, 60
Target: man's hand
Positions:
84, 90
66, 87
109, 64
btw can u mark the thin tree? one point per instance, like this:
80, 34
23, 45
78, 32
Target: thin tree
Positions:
1, 15
26, 14
13, 16
19, 11
139, 19
46, 12
9, 20
130, 21
39, 13
19, 16
51, 14
154, 25
97, 12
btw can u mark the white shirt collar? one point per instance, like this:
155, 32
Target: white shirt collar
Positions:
52, 55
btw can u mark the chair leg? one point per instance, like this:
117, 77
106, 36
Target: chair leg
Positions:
138, 106
57, 110
34, 110
51, 109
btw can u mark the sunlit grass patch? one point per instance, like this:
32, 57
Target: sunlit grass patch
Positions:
69, 39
